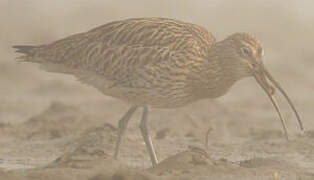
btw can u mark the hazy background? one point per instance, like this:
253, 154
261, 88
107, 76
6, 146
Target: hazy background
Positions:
284, 27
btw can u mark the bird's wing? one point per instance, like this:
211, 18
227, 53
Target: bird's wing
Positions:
116, 49
141, 32
152, 32
122, 66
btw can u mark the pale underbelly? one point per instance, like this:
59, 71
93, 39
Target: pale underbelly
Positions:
150, 97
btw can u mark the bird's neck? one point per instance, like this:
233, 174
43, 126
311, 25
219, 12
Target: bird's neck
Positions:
216, 74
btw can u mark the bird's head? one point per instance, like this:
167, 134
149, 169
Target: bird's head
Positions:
243, 52
245, 55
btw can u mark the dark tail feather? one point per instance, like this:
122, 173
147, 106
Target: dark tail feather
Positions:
24, 49
28, 52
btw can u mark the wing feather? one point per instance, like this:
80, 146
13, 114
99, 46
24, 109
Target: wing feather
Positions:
119, 50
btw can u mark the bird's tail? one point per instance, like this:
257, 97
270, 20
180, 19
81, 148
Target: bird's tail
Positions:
27, 50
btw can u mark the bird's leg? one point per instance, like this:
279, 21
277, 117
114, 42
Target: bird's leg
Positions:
147, 138
123, 122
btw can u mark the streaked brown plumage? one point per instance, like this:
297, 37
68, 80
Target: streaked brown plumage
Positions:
155, 62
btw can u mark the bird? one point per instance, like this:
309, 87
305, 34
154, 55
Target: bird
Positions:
157, 63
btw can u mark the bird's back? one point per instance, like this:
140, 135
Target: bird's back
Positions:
138, 33
123, 54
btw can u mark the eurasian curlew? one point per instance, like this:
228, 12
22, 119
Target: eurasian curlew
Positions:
156, 62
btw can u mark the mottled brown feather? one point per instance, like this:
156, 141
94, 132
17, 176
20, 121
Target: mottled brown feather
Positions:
155, 61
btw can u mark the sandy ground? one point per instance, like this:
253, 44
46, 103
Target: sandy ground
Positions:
52, 127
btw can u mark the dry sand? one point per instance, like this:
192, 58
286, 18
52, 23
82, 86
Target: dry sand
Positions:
52, 127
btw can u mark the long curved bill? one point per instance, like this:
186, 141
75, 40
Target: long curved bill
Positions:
260, 74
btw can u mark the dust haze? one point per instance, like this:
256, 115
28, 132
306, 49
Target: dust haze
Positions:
53, 127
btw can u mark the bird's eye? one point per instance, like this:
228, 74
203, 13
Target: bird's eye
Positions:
246, 51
